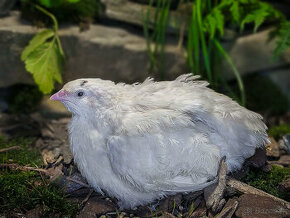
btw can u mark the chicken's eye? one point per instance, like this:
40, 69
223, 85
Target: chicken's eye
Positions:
80, 94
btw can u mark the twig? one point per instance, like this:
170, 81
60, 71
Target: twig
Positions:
9, 149
18, 167
88, 196
247, 189
78, 182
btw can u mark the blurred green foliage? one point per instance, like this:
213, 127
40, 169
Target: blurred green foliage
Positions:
64, 10
279, 131
263, 95
205, 22
24, 99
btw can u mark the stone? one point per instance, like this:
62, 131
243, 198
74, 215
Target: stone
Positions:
286, 140
284, 161
253, 53
251, 205
229, 209
6, 6
284, 186
133, 13
272, 149
96, 207
105, 52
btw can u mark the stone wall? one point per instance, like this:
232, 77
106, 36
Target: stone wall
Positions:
118, 52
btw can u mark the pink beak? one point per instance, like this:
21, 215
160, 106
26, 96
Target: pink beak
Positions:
59, 96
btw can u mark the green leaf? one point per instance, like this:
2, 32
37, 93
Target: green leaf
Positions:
45, 64
36, 41
235, 10
258, 17
261, 12
214, 21
283, 41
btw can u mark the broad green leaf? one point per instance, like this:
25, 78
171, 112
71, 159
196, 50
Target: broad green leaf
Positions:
45, 64
36, 41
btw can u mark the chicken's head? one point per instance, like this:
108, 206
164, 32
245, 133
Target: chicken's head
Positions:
85, 96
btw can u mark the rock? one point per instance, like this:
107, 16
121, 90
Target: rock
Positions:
258, 159
284, 161
251, 47
103, 51
6, 6
286, 140
133, 13
272, 149
96, 207
260, 207
284, 186
229, 209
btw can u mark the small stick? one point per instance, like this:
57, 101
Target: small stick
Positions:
24, 168
9, 149
78, 182
247, 189
88, 196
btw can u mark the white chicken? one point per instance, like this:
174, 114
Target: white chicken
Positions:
141, 142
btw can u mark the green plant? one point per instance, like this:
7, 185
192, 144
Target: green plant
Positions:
269, 181
64, 10
158, 35
21, 191
263, 95
24, 98
44, 57
279, 131
206, 27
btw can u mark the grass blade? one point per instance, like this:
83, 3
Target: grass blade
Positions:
235, 71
